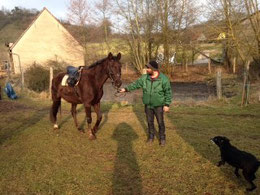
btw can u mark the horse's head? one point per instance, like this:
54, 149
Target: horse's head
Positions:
114, 69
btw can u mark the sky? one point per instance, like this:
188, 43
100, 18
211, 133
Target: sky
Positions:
57, 7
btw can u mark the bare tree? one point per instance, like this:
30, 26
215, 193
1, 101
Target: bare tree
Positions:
240, 21
152, 23
253, 19
104, 7
138, 18
176, 16
227, 16
78, 15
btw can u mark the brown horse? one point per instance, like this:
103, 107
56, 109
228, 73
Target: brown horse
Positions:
88, 92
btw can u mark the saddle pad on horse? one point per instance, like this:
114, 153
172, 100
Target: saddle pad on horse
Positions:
64, 80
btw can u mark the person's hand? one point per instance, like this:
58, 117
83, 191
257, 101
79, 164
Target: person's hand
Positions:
122, 90
166, 108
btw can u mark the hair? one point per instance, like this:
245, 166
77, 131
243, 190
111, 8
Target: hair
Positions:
98, 62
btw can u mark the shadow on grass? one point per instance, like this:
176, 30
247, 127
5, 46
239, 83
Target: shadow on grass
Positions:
196, 129
69, 116
23, 123
138, 109
126, 177
105, 109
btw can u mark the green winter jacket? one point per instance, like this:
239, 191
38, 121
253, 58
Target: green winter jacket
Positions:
155, 93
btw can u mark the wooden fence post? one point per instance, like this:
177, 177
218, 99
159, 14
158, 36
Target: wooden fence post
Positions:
218, 83
247, 91
246, 83
8, 71
186, 65
234, 64
51, 77
22, 79
126, 70
209, 65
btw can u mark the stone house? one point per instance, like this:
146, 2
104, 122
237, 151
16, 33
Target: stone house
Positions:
45, 39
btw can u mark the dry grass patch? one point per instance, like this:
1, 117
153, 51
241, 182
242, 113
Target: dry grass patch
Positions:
38, 160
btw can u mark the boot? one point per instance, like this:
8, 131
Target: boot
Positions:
149, 141
162, 142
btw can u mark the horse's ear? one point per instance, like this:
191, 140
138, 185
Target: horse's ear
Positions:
110, 56
118, 57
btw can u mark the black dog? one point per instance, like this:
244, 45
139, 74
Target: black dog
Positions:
238, 159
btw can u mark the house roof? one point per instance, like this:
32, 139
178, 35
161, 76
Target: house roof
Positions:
44, 9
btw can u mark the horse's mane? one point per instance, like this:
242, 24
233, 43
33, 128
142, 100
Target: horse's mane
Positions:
98, 63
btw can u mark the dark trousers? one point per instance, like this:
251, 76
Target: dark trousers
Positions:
158, 113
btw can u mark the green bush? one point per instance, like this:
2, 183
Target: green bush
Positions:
37, 78
58, 66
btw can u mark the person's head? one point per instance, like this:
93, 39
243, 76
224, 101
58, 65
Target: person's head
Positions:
151, 66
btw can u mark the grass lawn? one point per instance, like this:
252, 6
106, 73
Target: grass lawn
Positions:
35, 159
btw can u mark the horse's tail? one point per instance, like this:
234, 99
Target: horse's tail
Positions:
56, 99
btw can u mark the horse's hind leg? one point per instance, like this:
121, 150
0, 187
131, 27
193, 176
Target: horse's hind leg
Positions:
99, 116
74, 115
89, 121
53, 112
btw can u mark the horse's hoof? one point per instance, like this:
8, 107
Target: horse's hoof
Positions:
92, 137
55, 127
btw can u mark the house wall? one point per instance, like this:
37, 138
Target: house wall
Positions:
46, 39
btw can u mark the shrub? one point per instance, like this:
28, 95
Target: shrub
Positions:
37, 78
58, 66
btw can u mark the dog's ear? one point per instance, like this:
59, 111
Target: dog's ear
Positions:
226, 139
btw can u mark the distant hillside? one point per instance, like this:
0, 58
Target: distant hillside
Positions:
12, 25
14, 22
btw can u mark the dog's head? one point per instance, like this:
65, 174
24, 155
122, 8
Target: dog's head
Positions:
220, 141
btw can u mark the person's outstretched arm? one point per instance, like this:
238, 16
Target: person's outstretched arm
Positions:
133, 86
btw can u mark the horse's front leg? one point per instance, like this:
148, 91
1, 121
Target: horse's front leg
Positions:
99, 116
89, 121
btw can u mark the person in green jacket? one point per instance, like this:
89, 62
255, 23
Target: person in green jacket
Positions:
157, 97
